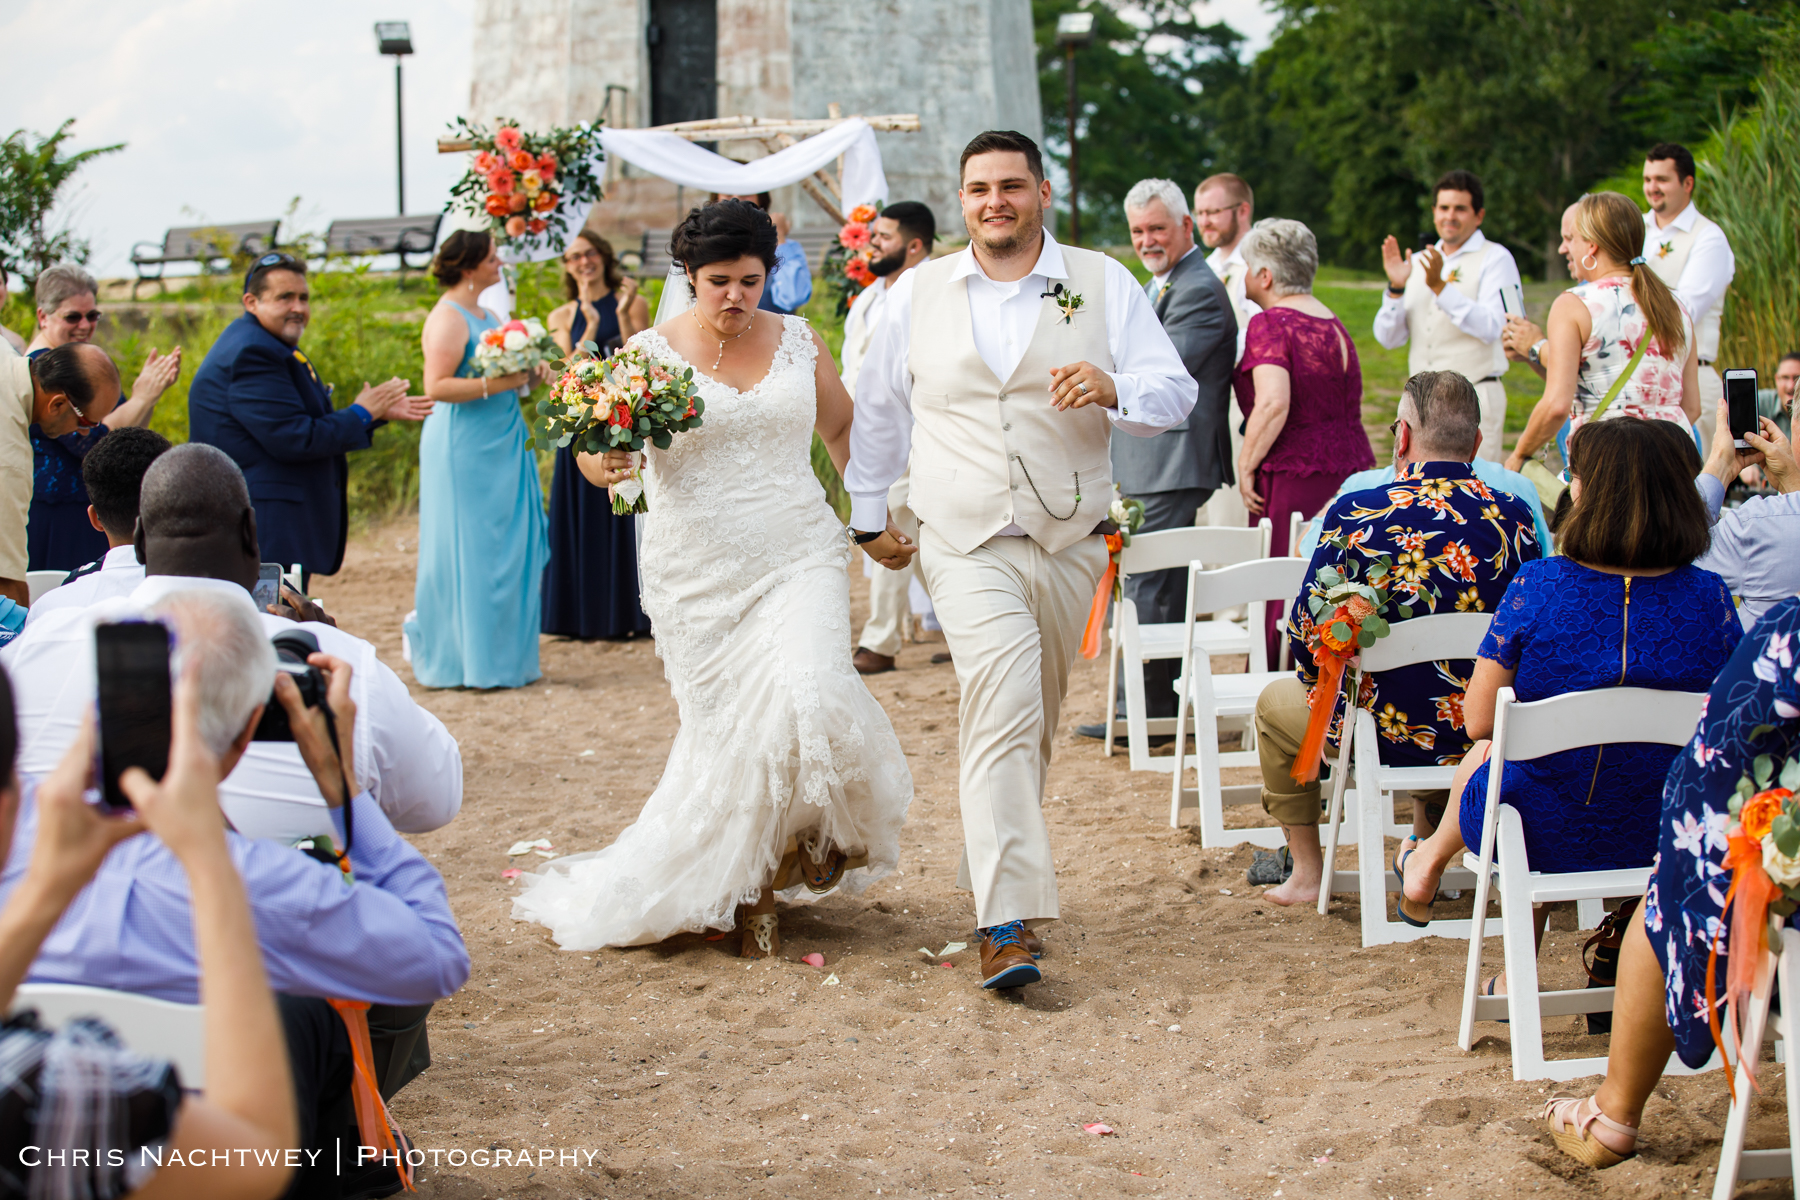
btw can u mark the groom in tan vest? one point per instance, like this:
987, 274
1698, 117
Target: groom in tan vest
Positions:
1002, 370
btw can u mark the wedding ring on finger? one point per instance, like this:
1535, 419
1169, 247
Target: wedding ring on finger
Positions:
1082, 388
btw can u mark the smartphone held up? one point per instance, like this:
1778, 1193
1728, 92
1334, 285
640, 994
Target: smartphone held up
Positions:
1740, 404
131, 659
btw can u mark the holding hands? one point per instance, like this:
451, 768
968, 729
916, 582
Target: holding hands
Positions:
389, 401
892, 549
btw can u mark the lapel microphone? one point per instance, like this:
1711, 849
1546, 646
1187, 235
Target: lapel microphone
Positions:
1052, 292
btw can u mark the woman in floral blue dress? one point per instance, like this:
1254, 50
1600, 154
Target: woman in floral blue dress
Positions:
1753, 708
1623, 606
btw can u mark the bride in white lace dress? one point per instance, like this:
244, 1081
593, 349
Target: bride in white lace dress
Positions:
785, 777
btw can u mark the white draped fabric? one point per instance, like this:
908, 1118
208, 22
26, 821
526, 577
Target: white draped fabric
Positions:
681, 161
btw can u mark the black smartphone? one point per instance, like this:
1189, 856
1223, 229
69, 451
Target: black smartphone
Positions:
1740, 404
131, 660
268, 586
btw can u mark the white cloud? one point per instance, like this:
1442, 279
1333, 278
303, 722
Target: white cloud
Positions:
230, 109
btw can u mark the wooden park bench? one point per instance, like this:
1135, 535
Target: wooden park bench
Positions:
203, 244
398, 236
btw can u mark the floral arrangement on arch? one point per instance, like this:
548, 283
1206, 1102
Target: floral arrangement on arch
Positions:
846, 267
518, 181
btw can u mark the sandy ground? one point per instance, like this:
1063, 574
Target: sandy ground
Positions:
1235, 1049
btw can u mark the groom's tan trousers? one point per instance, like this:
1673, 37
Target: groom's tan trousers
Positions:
1013, 617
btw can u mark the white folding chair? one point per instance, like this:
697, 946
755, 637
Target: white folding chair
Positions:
1425, 639
1231, 698
39, 582
155, 1028
1134, 644
1736, 1163
1528, 731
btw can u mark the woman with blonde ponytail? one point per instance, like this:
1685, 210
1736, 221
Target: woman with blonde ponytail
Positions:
1619, 332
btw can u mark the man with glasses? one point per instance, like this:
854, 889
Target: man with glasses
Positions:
61, 537
258, 398
1224, 207
71, 386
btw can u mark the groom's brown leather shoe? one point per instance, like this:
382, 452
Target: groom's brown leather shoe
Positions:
1005, 962
867, 662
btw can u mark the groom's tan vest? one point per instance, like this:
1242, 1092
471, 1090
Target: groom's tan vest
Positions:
980, 444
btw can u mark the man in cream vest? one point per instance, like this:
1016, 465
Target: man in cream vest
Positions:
1002, 370
1690, 254
901, 238
1451, 302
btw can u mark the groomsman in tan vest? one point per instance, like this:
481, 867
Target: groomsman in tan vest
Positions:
1002, 371
1451, 301
1690, 254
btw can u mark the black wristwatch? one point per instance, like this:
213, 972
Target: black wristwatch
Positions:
863, 539
1396, 293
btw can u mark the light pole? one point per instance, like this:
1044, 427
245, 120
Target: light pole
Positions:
395, 38
1073, 31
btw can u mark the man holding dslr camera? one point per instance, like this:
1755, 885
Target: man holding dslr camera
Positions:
384, 936
196, 525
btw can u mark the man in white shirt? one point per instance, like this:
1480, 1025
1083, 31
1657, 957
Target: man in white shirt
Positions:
1690, 254
1451, 301
901, 238
113, 472
196, 529
1000, 372
1224, 210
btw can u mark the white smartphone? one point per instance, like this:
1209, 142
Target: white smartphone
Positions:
1740, 404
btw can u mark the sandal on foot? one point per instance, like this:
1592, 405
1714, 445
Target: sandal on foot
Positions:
1571, 1132
820, 873
762, 936
1400, 874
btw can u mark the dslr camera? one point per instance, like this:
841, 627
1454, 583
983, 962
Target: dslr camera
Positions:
292, 646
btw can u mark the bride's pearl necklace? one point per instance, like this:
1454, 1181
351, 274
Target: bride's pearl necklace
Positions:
707, 330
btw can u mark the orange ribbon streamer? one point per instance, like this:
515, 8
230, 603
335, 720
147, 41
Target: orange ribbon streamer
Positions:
1748, 900
371, 1113
1311, 755
1090, 637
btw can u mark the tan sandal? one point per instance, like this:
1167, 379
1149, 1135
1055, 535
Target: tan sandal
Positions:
1562, 1113
762, 935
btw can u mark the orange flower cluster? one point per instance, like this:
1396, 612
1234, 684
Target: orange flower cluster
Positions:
519, 183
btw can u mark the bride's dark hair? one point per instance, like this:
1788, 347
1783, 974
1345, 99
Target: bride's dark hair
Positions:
724, 231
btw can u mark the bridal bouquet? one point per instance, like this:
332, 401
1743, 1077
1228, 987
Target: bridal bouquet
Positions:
1347, 611
513, 347
620, 403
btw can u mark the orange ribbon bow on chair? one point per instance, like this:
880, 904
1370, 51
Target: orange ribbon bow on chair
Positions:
1090, 637
1332, 656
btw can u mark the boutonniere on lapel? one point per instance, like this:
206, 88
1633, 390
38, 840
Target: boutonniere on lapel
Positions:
1068, 303
1664, 249
1455, 275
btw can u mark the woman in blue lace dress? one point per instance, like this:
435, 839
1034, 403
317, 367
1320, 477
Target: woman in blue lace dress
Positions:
591, 584
1753, 708
1623, 606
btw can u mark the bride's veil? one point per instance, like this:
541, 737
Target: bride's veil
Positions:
676, 297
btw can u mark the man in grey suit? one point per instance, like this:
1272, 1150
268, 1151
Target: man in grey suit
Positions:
1176, 472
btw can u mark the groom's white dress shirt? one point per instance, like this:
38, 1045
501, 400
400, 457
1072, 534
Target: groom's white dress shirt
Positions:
1155, 391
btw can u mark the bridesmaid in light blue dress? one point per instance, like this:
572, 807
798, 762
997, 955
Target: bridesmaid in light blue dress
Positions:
482, 539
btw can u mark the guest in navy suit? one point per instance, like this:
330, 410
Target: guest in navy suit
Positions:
258, 398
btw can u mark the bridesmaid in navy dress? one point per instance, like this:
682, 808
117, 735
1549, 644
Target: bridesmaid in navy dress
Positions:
591, 584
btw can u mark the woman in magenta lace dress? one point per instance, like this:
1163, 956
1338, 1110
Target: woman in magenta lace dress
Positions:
1300, 385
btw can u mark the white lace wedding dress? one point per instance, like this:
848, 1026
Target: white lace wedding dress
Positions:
744, 577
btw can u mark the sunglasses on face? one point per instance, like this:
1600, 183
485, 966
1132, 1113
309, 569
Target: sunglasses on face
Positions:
76, 318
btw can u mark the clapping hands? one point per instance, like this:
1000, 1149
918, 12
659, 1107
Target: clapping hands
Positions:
160, 370
389, 401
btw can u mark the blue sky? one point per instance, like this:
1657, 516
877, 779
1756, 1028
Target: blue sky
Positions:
230, 109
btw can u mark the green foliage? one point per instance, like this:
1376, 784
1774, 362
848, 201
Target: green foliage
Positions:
1357, 106
33, 172
1750, 174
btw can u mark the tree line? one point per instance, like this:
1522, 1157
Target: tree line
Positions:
1356, 106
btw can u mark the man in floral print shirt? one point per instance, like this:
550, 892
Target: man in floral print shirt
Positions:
1446, 532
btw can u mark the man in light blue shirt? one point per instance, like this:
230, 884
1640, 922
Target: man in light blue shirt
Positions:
1491, 473
1754, 546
